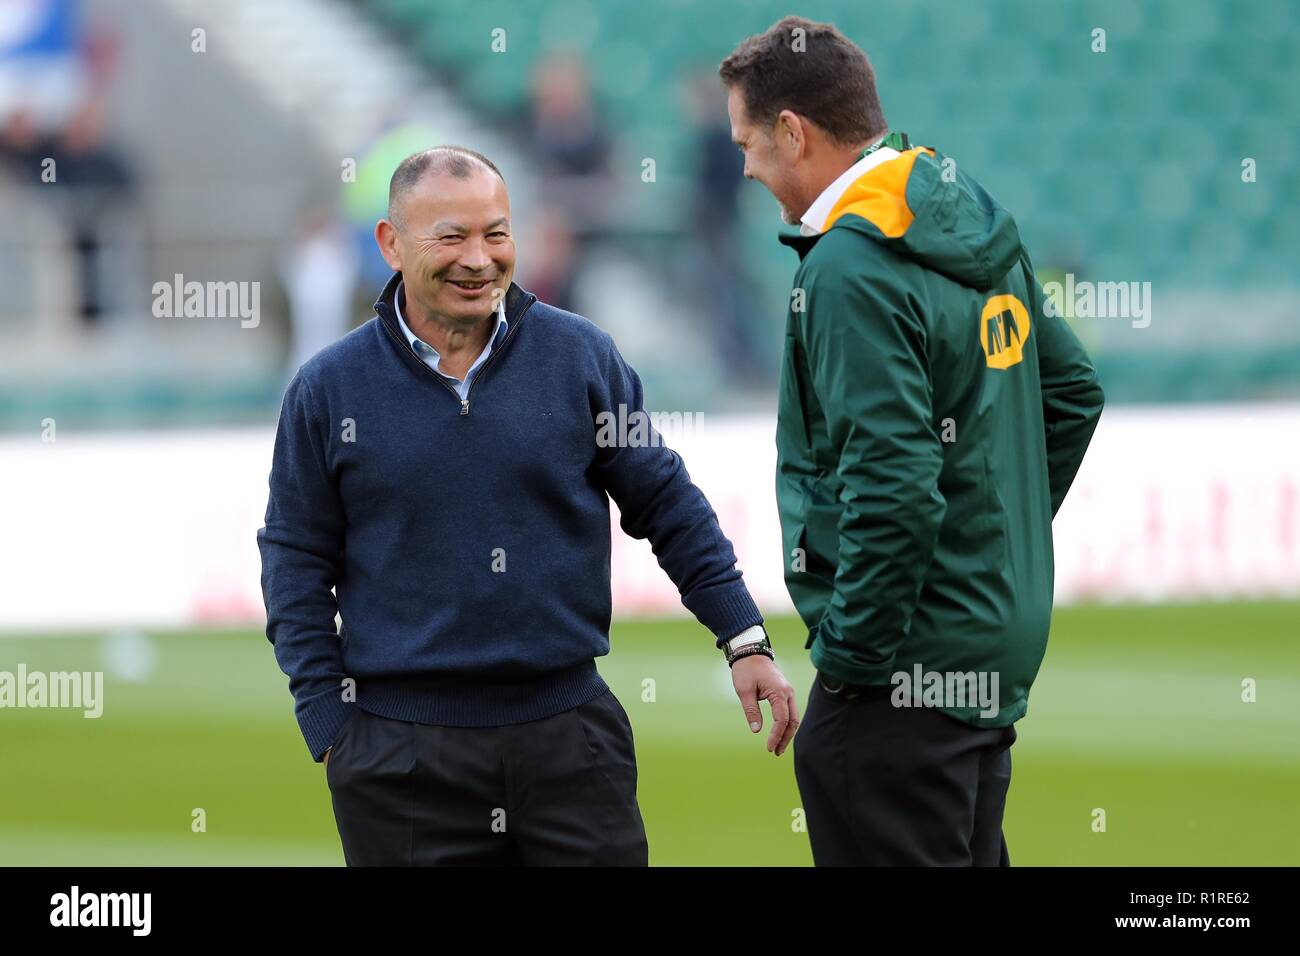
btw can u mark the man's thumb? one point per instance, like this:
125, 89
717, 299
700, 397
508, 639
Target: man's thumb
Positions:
753, 716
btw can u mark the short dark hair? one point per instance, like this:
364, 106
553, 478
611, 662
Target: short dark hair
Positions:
828, 80
454, 161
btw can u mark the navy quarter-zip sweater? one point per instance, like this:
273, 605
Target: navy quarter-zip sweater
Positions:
468, 543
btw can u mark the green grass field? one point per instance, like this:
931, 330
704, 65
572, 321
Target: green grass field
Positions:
1138, 711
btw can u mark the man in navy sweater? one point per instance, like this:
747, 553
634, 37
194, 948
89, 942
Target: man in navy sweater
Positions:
439, 482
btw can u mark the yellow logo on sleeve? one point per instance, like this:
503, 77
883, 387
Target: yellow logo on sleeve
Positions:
1004, 328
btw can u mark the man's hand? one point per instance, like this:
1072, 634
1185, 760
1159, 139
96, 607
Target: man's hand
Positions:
325, 757
756, 678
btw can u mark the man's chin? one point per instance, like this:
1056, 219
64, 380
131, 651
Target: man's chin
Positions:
787, 217
469, 311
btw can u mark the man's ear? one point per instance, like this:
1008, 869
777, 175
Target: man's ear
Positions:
386, 240
790, 133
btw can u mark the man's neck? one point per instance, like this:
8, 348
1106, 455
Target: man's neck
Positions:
848, 157
451, 339
840, 161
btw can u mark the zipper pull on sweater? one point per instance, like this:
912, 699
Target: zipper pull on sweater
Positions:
464, 406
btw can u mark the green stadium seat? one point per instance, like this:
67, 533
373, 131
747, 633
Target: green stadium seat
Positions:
1106, 159
1211, 96
1191, 19
405, 13
1265, 19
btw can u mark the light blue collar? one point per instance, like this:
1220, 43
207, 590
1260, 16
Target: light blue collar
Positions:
423, 348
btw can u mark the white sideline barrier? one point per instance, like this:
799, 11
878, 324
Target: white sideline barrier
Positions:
158, 529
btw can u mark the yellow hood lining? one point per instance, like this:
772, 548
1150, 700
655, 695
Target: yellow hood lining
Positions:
880, 195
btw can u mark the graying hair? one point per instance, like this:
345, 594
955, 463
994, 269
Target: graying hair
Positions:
455, 161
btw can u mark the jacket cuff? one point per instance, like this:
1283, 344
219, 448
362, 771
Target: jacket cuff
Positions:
321, 719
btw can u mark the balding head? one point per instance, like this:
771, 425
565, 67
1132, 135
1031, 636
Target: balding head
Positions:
454, 161
448, 234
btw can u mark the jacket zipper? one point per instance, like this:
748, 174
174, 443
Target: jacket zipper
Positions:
464, 402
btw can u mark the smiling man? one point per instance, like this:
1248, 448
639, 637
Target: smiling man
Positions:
438, 482
932, 416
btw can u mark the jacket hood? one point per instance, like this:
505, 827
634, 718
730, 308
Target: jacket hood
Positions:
955, 228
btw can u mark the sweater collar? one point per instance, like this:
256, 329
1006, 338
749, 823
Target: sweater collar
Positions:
501, 324
517, 301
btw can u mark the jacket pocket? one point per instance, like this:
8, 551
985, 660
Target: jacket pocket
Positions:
793, 417
995, 521
821, 535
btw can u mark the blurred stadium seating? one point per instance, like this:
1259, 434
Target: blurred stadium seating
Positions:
1119, 166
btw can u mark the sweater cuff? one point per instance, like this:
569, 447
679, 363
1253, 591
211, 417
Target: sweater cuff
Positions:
320, 719
726, 611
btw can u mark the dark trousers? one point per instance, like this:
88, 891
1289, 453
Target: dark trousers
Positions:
555, 791
893, 786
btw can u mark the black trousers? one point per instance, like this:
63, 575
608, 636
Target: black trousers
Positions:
555, 791
893, 786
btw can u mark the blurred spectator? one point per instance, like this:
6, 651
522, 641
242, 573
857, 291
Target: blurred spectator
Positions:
320, 276
572, 145
53, 74
717, 277
364, 198
550, 269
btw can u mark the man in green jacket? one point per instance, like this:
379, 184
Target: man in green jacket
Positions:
931, 419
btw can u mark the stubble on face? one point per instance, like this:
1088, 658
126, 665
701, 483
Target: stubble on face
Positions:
760, 154
457, 230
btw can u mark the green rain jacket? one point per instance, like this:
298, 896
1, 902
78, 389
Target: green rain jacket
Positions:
931, 420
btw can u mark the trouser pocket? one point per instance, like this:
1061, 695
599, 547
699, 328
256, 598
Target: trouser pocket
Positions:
340, 745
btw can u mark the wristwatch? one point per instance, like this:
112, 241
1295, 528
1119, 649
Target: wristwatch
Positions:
754, 640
